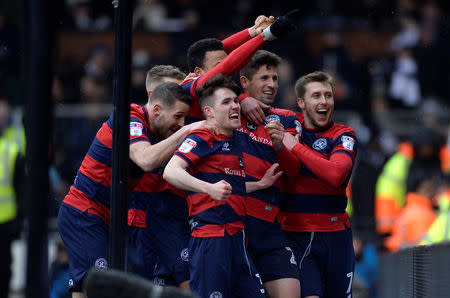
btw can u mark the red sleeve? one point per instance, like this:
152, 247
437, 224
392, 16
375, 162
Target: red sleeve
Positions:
333, 171
235, 61
232, 42
289, 163
243, 96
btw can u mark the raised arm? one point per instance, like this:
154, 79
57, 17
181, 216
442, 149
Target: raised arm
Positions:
232, 42
175, 173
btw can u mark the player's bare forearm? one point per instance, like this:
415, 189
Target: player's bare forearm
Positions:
175, 173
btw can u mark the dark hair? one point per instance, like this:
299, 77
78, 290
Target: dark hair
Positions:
209, 87
158, 72
197, 51
261, 58
317, 76
168, 93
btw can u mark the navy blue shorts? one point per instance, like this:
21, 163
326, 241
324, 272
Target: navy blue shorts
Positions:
326, 262
221, 267
270, 250
170, 239
86, 239
141, 257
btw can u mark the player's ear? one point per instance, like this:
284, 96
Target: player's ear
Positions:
244, 82
301, 103
209, 112
198, 71
157, 109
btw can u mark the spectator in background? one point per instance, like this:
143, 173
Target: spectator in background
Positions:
83, 19
12, 165
418, 214
286, 92
366, 266
149, 15
336, 61
368, 166
405, 86
59, 273
140, 65
421, 153
440, 229
99, 64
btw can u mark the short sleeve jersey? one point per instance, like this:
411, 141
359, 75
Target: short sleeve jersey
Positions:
259, 156
91, 188
213, 158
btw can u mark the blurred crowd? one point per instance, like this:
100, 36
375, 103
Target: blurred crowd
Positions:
398, 176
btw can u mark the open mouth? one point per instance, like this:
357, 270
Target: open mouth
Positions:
234, 116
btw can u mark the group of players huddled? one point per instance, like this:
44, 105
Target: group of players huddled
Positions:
229, 197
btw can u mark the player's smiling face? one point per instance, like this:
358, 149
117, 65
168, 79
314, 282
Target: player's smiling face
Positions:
263, 85
317, 104
171, 119
226, 111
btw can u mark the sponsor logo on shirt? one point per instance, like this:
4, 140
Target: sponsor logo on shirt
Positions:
348, 142
187, 145
234, 172
320, 144
136, 128
226, 146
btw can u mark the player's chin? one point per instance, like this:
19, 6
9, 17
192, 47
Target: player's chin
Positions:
235, 123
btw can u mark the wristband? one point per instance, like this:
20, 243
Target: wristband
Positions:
268, 34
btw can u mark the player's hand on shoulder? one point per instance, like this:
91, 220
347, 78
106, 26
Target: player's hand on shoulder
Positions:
261, 23
276, 132
289, 141
253, 110
219, 191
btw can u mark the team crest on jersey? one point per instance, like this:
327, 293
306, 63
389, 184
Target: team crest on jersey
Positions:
216, 294
136, 128
320, 144
272, 117
226, 146
70, 282
241, 163
251, 127
187, 145
298, 127
185, 254
347, 142
101, 264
